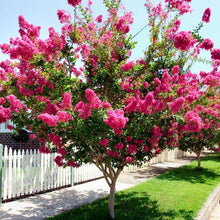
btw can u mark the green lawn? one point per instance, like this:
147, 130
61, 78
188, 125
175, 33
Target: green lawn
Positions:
176, 194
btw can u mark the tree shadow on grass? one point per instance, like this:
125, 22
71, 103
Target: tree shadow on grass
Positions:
136, 205
128, 206
191, 174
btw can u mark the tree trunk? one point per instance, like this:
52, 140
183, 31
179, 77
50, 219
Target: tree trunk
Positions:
112, 199
199, 161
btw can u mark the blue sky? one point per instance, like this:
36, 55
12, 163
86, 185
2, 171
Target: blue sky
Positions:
43, 13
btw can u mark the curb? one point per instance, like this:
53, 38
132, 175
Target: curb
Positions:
210, 204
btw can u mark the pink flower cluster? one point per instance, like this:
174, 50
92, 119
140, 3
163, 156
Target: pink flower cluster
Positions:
171, 32
84, 110
44, 150
50, 120
193, 122
93, 99
15, 104
206, 15
64, 16
5, 114
127, 66
181, 5
72, 163
56, 140
183, 40
156, 135
64, 116
116, 120
119, 146
67, 100
132, 149
104, 142
122, 24
176, 105
215, 54
207, 44
74, 3
59, 161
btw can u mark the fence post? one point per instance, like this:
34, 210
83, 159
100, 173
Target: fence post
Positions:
72, 175
1, 155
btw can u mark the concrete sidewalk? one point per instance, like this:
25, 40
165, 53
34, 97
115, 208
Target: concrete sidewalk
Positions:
49, 204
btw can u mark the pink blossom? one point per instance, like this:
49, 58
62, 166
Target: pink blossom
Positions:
74, 3
16, 104
181, 5
215, 54
157, 81
51, 108
62, 151
50, 120
99, 19
44, 150
3, 75
122, 24
119, 146
93, 99
106, 105
5, 114
176, 105
116, 120
67, 101
55, 139
128, 159
145, 85
72, 163
2, 101
84, 110
112, 153
64, 16
10, 127
104, 142
128, 138
183, 40
64, 116
207, 44
206, 15
138, 142
132, 148
132, 106
59, 161
175, 69
145, 148
127, 66
193, 122
39, 90
32, 136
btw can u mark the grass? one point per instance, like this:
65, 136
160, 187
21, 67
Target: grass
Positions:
174, 195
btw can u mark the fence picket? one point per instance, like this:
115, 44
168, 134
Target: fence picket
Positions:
10, 174
41, 173
14, 189
34, 170
19, 173
5, 176
38, 162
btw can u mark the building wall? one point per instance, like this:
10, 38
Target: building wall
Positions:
6, 139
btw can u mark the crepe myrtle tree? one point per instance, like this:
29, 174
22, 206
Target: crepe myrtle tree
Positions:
111, 111
200, 121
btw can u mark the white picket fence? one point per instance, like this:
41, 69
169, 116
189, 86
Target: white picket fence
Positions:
28, 171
